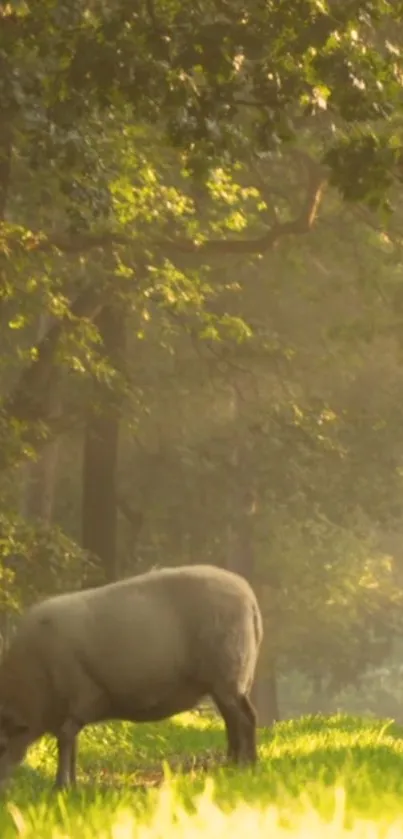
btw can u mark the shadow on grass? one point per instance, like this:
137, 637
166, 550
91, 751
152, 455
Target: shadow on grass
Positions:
129, 748
121, 755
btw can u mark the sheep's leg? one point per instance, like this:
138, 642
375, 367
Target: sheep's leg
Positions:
240, 721
231, 726
66, 754
73, 762
249, 728
65, 751
92, 708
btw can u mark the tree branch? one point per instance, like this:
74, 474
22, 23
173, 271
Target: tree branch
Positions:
297, 226
77, 243
300, 225
29, 400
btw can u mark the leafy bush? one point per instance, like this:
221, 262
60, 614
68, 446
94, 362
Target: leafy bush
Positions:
37, 560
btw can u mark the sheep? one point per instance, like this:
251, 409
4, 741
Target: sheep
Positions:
141, 649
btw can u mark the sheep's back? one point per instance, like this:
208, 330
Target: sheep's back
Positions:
148, 632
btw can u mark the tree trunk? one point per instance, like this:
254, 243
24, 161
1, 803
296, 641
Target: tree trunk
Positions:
5, 173
6, 152
241, 558
265, 695
40, 475
318, 701
99, 508
40, 480
5, 161
99, 500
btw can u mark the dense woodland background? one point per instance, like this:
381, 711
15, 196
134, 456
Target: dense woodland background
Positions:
201, 308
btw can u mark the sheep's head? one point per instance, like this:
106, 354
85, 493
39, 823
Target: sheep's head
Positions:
14, 741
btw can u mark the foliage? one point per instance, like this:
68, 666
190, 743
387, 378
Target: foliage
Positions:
109, 110
37, 560
376, 693
187, 165
284, 451
198, 69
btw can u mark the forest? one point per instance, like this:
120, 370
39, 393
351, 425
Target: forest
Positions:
201, 310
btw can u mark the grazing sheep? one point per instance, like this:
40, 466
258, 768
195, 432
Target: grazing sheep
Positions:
141, 649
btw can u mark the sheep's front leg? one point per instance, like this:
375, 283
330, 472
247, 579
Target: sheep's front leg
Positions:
73, 762
92, 708
67, 754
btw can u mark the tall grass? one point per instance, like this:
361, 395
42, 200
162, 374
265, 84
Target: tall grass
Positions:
317, 777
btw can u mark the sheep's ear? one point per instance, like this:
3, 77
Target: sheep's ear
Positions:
12, 723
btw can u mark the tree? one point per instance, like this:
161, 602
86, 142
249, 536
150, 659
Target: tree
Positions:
176, 162
111, 61
100, 503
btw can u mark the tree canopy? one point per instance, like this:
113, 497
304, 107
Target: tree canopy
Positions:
200, 294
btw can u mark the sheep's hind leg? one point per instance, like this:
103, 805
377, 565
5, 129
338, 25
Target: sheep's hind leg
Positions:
249, 727
239, 717
232, 729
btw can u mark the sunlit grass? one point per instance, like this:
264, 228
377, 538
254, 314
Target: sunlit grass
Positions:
316, 778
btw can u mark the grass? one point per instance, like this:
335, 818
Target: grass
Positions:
317, 778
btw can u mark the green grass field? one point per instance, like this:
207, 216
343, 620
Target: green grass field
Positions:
317, 778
